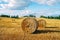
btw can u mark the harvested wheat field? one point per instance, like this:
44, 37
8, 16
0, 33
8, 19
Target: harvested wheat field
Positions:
10, 29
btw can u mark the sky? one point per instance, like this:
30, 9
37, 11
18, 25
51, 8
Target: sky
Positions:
26, 7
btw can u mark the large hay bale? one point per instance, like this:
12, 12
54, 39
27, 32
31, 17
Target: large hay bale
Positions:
41, 23
29, 25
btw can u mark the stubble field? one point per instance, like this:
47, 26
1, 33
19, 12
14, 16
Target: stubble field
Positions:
10, 29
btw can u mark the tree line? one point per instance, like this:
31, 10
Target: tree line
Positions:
9, 16
51, 17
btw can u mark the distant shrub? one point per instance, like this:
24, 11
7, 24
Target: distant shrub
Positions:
26, 16
15, 16
29, 15
32, 15
43, 16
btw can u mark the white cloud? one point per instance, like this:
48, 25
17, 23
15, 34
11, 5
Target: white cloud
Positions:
21, 4
48, 12
16, 12
46, 2
16, 4
24, 12
5, 0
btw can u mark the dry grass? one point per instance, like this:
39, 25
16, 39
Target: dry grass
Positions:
10, 29
51, 22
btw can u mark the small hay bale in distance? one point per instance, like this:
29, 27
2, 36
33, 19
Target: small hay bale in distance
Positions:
29, 25
41, 23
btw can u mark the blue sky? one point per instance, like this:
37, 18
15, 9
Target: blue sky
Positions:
26, 7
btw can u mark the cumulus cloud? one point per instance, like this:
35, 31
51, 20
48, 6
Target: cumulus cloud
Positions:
24, 12
46, 2
16, 4
3, 2
21, 4
48, 12
16, 12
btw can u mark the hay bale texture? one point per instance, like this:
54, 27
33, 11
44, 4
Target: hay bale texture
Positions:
41, 23
29, 25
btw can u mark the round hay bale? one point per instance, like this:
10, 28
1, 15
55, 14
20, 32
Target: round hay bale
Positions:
41, 23
29, 25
